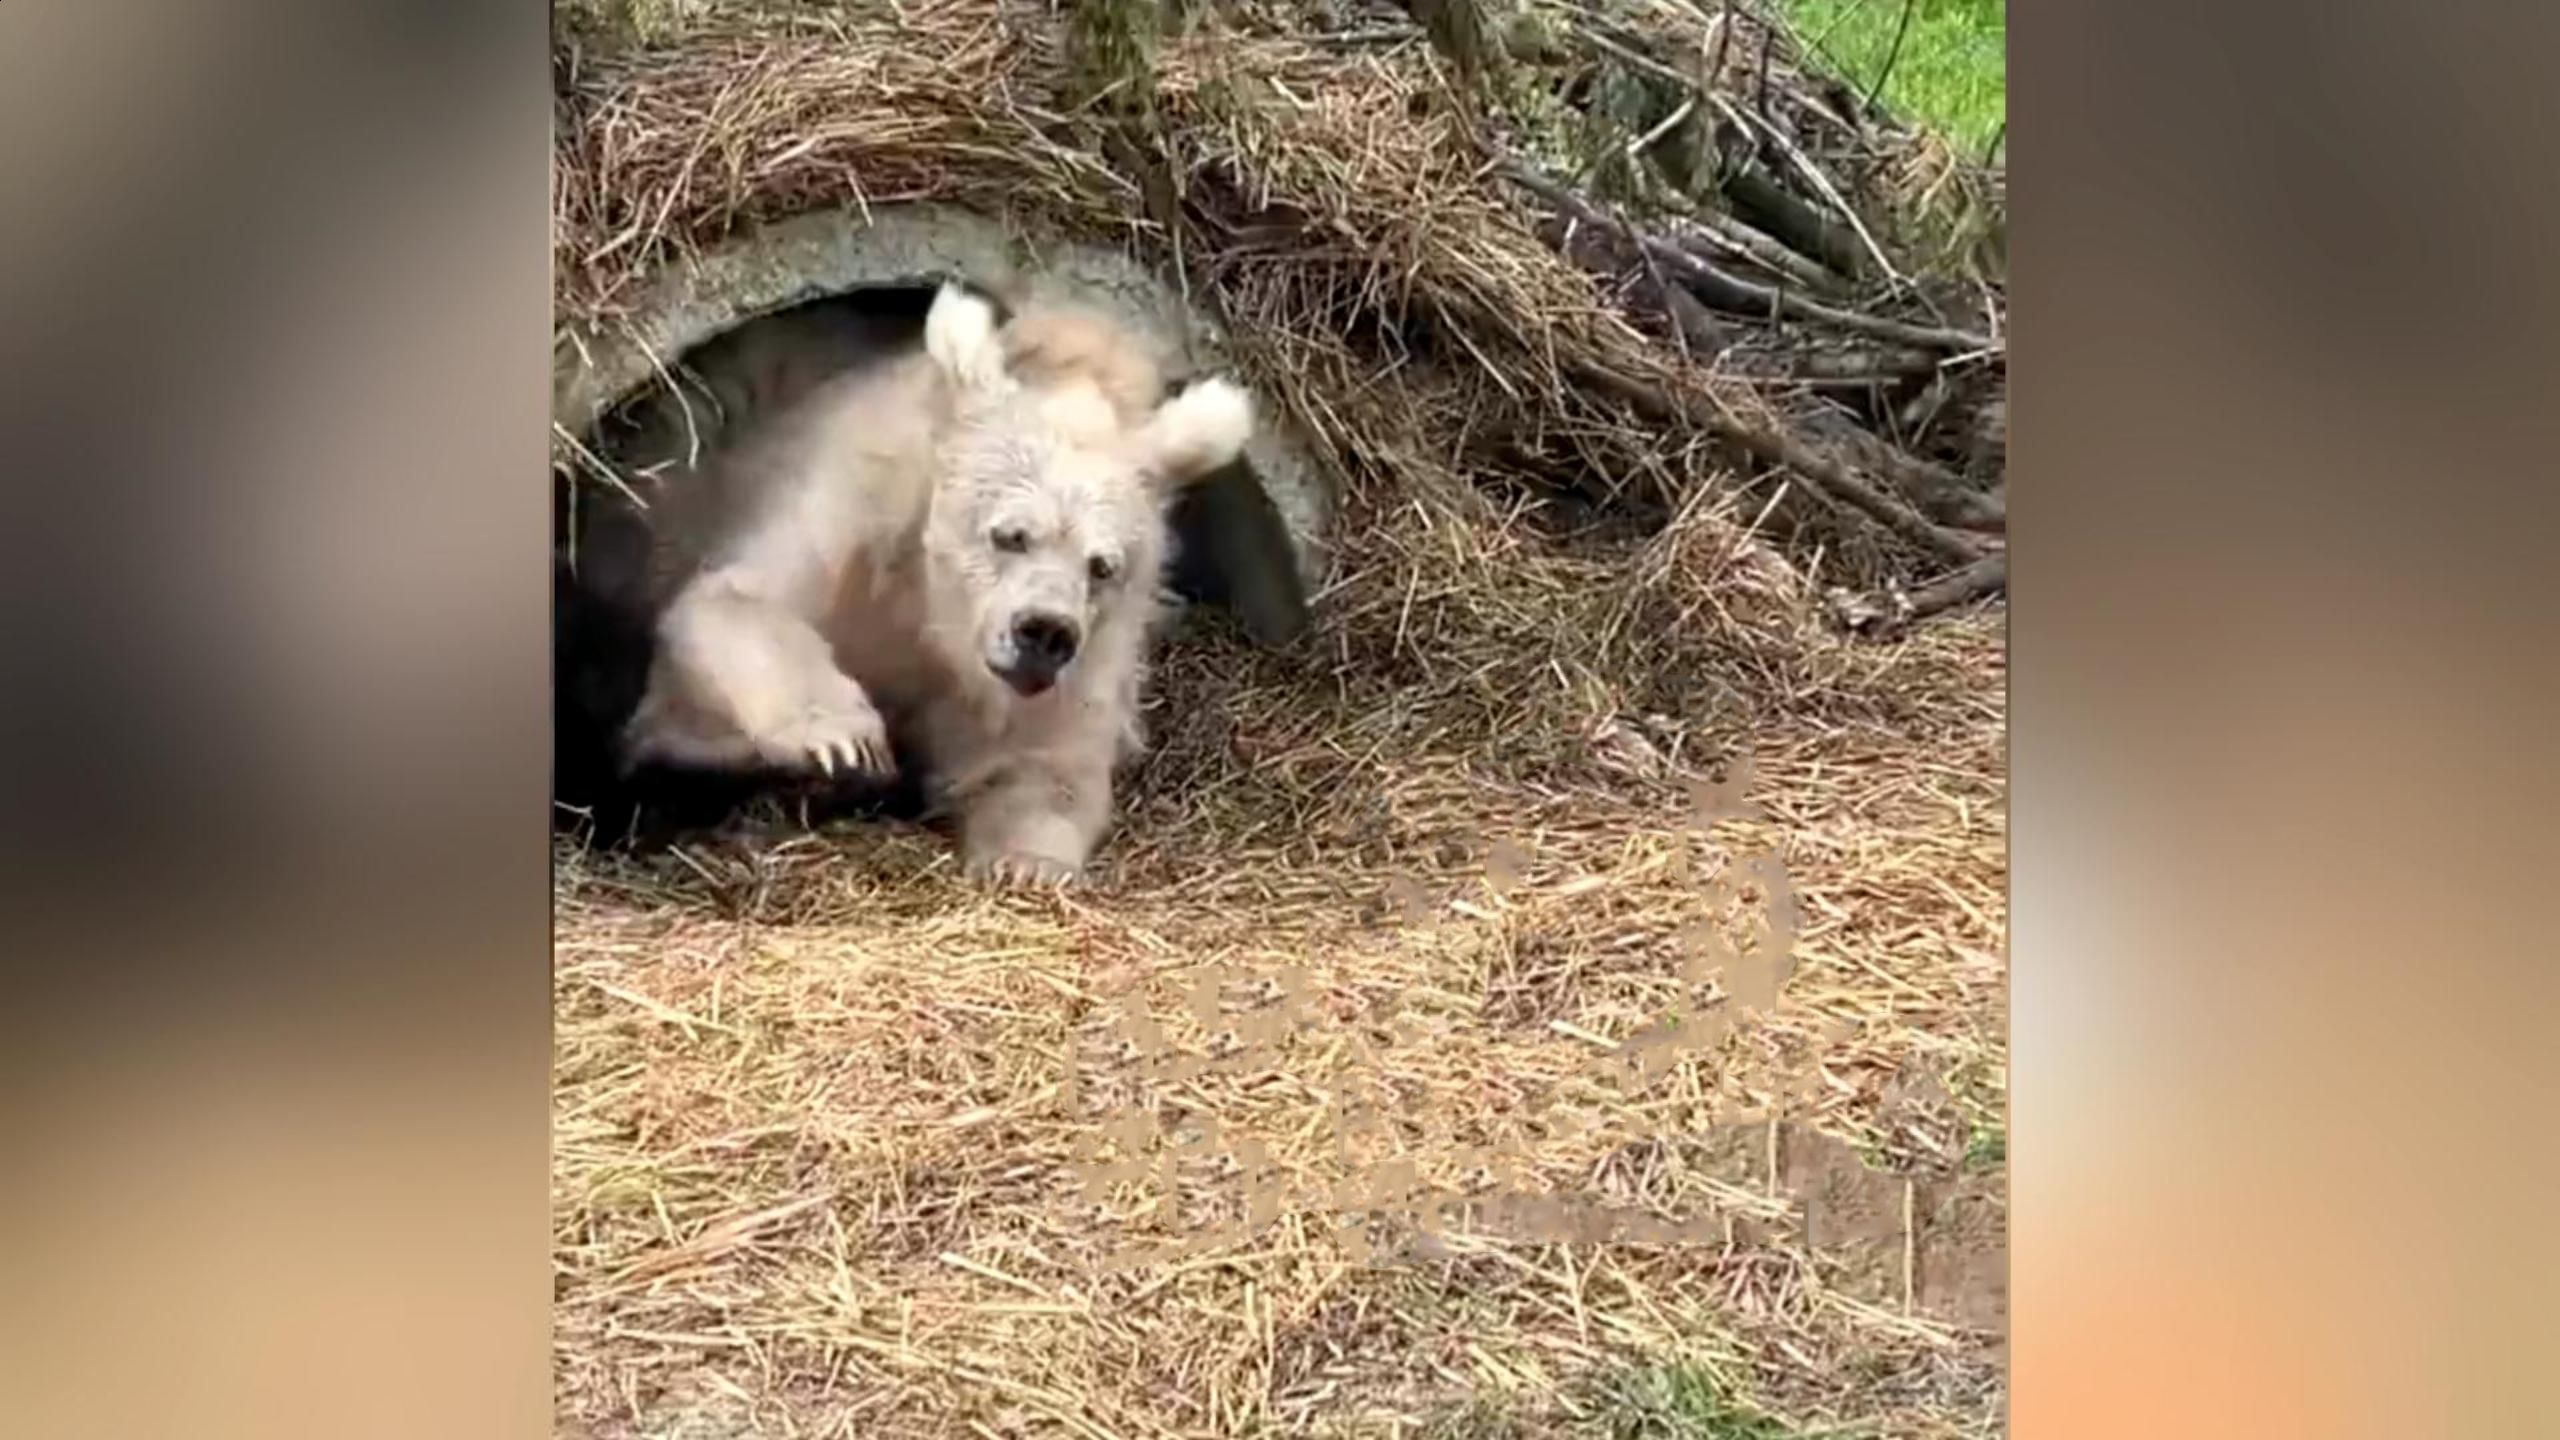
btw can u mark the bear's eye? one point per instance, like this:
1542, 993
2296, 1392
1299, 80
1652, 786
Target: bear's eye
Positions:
1101, 569
1010, 539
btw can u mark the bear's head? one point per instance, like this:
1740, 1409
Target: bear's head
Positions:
1046, 538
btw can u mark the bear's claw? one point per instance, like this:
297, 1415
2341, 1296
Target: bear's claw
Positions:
1017, 871
846, 738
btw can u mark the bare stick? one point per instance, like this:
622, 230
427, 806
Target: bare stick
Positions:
1749, 297
1983, 578
1714, 230
1825, 370
1892, 54
1753, 197
1760, 84
1821, 184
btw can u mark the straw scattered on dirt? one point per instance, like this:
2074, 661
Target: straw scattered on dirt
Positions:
842, 1145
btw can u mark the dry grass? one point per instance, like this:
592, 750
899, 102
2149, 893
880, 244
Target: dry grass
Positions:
813, 1141
823, 1127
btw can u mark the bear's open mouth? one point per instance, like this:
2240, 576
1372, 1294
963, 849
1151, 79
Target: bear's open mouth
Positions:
1026, 680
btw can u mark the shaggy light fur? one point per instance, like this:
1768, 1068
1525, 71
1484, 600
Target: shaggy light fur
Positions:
923, 544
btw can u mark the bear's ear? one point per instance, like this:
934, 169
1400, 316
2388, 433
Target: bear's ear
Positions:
960, 336
1201, 430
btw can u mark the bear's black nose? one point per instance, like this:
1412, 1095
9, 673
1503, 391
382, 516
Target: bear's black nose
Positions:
1046, 642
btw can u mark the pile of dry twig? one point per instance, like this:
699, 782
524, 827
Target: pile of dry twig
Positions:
1620, 254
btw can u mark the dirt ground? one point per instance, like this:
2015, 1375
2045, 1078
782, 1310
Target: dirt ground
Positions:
1431, 1057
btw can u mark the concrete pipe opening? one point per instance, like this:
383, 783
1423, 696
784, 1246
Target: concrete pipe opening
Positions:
734, 335
751, 325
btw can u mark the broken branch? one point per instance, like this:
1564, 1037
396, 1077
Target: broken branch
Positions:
1983, 578
1827, 476
1736, 295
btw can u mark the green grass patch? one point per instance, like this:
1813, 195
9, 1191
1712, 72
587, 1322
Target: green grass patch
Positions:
1951, 72
1979, 1092
1482, 1420
1678, 1402
1988, 1150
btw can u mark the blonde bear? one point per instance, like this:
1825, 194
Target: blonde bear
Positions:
963, 548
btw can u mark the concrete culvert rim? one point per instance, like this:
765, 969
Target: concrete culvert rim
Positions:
877, 252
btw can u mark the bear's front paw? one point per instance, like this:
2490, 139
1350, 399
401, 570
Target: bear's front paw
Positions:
1015, 870
843, 732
